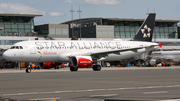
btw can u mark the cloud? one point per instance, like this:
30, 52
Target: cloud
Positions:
68, 1
19, 8
94, 2
102, 2
56, 14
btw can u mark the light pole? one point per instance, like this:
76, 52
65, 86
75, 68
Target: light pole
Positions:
72, 18
79, 21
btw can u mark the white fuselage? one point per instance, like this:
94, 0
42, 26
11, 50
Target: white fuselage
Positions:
61, 51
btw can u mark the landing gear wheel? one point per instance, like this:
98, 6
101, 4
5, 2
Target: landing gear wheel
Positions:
28, 70
73, 68
96, 67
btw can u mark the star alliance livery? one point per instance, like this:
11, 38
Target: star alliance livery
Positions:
82, 54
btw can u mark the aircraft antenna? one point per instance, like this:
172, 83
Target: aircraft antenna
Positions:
147, 11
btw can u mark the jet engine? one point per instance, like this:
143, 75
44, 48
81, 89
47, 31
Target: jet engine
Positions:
81, 61
154, 61
48, 65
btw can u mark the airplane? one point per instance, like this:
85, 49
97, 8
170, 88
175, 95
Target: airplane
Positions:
169, 56
83, 54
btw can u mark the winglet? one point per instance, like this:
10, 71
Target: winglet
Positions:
160, 45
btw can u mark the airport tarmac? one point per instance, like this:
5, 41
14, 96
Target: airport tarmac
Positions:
111, 83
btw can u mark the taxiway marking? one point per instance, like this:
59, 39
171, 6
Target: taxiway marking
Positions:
90, 90
105, 95
52, 99
94, 90
20, 94
155, 92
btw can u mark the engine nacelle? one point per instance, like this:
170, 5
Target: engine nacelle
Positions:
81, 61
47, 65
154, 61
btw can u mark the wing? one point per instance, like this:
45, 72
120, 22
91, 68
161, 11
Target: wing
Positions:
105, 53
100, 54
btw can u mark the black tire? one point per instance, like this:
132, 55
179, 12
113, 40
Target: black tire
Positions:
73, 69
96, 67
28, 70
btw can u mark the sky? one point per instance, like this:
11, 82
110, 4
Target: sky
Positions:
58, 11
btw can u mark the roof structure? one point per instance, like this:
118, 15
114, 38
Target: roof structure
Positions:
19, 14
121, 19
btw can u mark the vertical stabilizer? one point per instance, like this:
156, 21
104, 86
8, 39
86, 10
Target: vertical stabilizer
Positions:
145, 32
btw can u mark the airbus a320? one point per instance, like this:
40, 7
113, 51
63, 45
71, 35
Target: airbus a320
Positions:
82, 54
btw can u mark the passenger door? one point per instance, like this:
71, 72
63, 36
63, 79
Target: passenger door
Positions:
33, 50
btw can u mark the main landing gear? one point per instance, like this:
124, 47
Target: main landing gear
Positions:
28, 70
95, 68
73, 69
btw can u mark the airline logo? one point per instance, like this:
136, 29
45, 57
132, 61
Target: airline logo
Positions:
48, 53
146, 32
39, 52
83, 62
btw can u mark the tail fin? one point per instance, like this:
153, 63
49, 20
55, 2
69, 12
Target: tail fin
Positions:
145, 32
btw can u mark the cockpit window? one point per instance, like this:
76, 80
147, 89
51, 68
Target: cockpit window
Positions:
21, 47
16, 47
12, 47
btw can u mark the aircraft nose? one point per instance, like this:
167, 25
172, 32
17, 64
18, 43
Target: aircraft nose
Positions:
5, 55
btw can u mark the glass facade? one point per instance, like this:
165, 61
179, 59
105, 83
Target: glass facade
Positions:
9, 42
128, 29
89, 21
105, 30
16, 26
42, 30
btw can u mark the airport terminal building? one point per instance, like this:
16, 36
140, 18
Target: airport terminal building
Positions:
15, 28
121, 28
